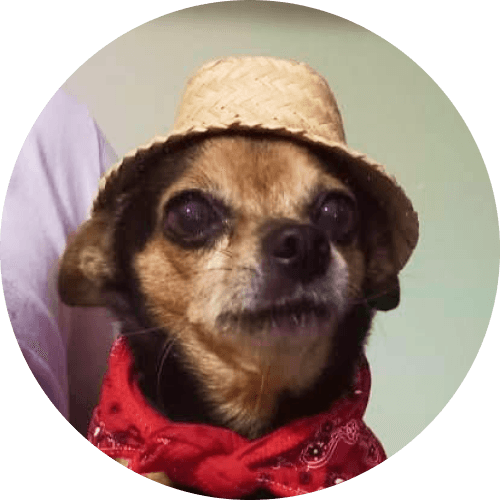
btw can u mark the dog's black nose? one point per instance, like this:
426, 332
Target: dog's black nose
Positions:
298, 251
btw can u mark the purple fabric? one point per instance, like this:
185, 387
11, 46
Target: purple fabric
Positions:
50, 193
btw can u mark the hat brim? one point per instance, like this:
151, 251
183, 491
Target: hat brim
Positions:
366, 173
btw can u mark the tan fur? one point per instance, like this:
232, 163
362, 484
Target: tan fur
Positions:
86, 264
186, 291
262, 181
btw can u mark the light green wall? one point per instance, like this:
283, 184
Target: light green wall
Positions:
393, 111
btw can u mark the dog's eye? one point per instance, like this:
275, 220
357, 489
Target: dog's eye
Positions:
336, 214
193, 219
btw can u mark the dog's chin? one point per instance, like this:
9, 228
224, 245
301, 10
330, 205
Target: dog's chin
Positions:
284, 322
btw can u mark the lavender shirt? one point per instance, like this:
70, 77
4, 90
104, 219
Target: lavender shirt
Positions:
50, 193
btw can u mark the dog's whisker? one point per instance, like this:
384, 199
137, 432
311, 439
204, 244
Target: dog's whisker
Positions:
226, 252
140, 332
240, 268
265, 375
167, 348
216, 269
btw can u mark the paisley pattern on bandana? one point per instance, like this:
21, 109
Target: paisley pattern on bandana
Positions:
307, 455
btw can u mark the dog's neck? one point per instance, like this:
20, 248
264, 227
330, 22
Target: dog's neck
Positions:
304, 456
171, 386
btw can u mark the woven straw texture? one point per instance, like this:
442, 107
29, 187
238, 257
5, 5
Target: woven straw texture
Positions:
288, 99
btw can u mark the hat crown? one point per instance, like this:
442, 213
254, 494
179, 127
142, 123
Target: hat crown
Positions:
282, 98
260, 92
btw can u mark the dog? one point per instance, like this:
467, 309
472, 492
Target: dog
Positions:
245, 267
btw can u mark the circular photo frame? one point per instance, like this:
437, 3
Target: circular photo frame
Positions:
130, 92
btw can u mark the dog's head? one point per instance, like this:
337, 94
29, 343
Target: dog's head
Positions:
255, 259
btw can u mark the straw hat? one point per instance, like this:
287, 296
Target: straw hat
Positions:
287, 99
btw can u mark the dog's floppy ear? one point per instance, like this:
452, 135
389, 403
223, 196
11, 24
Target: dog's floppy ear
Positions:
386, 296
87, 264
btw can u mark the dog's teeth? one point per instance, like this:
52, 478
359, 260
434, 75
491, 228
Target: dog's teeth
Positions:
274, 323
303, 319
295, 319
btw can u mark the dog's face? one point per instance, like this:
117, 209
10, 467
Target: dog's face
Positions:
255, 261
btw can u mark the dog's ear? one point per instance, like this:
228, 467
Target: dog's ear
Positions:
385, 297
87, 264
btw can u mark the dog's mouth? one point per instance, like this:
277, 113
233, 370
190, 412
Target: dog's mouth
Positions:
286, 319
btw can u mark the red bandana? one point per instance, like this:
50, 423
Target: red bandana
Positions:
307, 455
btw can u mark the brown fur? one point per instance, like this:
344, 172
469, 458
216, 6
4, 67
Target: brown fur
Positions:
261, 181
188, 293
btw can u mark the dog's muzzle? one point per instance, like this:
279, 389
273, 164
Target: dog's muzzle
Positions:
290, 298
